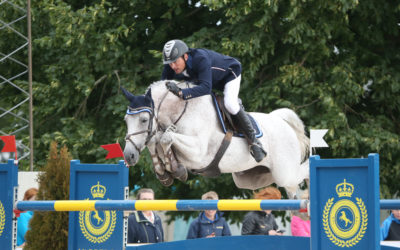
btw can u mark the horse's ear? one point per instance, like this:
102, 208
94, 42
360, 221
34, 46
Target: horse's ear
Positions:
148, 96
127, 94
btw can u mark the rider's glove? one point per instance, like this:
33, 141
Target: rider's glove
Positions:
174, 89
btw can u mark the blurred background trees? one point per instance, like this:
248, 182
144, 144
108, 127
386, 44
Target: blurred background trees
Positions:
336, 63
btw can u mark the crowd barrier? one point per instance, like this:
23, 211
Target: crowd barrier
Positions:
344, 205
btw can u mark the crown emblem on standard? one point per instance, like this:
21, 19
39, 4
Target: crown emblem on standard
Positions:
344, 189
98, 191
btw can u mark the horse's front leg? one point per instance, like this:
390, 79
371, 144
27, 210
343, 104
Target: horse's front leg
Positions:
189, 149
159, 169
168, 156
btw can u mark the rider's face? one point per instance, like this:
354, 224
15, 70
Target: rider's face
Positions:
179, 65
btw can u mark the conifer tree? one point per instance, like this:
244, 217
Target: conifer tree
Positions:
49, 230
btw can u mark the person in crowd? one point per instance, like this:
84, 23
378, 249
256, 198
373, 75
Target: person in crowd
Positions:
262, 222
390, 229
145, 226
25, 217
210, 223
300, 224
209, 70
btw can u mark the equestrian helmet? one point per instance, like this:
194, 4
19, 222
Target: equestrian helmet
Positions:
173, 50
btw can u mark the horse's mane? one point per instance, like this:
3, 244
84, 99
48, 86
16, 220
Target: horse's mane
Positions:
160, 85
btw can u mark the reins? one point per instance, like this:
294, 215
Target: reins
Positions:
159, 107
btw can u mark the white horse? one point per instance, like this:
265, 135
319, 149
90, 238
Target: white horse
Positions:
160, 119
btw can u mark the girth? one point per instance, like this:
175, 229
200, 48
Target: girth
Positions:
212, 170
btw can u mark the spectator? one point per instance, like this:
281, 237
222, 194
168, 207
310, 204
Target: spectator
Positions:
210, 223
25, 217
390, 229
300, 224
262, 222
145, 226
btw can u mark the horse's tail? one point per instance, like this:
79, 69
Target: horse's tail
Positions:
296, 123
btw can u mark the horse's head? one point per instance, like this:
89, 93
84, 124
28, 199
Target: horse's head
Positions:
139, 121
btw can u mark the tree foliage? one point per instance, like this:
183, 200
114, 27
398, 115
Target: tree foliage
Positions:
336, 63
49, 230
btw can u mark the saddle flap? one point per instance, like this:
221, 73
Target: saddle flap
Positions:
226, 120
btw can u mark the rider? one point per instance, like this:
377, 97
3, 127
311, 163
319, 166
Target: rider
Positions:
209, 70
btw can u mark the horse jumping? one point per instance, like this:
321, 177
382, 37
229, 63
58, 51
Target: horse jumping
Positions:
160, 121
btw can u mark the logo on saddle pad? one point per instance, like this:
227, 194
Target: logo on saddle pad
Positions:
97, 226
344, 221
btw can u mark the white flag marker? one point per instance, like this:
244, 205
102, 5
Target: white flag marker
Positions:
317, 139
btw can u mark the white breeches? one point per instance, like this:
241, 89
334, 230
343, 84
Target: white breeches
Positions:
231, 93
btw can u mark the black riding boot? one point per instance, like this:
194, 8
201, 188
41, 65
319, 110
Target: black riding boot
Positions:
246, 127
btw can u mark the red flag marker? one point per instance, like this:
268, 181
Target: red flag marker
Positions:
9, 143
114, 150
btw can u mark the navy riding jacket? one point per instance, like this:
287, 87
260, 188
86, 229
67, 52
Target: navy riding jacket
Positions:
140, 230
202, 226
207, 69
258, 223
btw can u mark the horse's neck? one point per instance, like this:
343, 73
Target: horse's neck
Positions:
198, 109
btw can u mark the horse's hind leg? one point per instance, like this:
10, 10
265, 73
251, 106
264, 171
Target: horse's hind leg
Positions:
289, 174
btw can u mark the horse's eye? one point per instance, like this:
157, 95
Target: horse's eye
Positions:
144, 120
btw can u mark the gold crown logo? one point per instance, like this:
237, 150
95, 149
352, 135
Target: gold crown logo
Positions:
98, 191
344, 189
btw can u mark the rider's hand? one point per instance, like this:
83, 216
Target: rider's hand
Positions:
174, 89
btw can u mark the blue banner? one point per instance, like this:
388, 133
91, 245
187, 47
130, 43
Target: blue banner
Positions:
8, 194
97, 229
344, 202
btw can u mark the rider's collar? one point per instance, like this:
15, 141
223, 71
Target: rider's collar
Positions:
189, 61
133, 111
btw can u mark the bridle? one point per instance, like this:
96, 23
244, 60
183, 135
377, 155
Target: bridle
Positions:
149, 130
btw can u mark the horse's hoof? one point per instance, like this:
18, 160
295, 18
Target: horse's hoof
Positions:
166, 179
181, 173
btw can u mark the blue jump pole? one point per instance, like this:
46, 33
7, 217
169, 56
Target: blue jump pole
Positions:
389, 204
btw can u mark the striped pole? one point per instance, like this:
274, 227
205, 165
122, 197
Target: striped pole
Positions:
161, 205
174, 205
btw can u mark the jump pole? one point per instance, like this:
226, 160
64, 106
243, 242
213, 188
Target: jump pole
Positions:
162, 205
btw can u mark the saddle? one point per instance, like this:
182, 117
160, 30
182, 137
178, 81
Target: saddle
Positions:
226, 121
